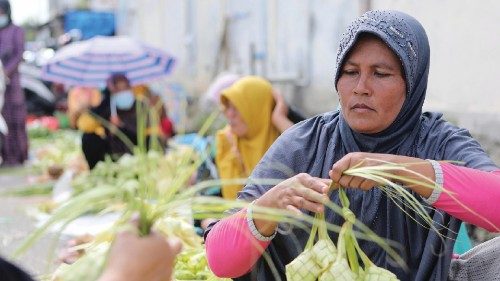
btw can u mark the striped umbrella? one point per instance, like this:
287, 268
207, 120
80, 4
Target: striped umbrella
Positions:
91, 62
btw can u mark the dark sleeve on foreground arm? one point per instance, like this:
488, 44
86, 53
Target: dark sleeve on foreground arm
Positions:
10, 272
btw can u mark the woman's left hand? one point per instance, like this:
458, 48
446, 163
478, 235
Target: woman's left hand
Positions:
416, 169
358, 159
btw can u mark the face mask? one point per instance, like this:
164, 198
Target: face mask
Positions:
4, 20
123, 100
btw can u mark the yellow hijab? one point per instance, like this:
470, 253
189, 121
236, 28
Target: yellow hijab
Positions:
237, 156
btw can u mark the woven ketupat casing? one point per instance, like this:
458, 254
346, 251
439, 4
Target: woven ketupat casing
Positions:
374, 273
338, 271
316, 257
303, 268
324, 253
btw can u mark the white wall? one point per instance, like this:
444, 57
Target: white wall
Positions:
464, 37
25, 11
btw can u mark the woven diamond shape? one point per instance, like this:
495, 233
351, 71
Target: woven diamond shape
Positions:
374, 273
303, 268
324, 252
338, 271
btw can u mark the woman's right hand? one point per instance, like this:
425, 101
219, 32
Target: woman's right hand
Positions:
69, 254
115, 120
298, 192
134, 258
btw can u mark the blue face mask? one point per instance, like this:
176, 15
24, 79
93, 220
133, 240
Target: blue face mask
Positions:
123, 100
4, 20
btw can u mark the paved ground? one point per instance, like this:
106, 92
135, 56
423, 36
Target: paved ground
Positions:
15, 225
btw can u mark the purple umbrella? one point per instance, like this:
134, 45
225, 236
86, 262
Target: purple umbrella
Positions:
91, 62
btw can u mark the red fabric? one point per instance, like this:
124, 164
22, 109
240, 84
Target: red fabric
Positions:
167, 127
231, 248
471, 195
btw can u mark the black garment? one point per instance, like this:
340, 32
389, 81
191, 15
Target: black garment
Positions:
10, 272
294, 115
103, 109
94, 148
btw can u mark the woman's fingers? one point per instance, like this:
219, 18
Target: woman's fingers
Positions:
345, 181
293, 209
313, 183
367, 184
336, 173
303, 192
302, 203
349, 161
356, 182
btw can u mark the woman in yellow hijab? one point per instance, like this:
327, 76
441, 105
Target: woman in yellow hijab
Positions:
248, 105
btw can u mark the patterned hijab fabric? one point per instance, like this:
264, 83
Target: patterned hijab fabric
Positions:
314, 145
406, 37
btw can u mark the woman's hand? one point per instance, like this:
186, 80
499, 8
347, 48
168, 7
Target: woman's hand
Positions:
115, 120
365, 159
299, 192
280, 113
281, 108
141, 258
71, 252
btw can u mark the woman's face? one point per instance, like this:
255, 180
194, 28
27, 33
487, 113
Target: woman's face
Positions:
371, 86
236, 122
121, 85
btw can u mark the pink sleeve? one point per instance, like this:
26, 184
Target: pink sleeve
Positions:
471, 195
231, 248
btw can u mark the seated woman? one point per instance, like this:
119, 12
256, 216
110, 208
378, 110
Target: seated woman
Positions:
381, 78
118, 107
256, 117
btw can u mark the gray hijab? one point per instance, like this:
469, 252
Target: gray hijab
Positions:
314, 145
408, 40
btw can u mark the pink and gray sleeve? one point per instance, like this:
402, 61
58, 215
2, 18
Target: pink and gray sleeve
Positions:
470, 195
231, 248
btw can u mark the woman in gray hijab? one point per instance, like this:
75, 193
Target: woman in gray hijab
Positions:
381, 77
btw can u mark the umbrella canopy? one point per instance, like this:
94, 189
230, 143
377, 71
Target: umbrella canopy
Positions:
91, 62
